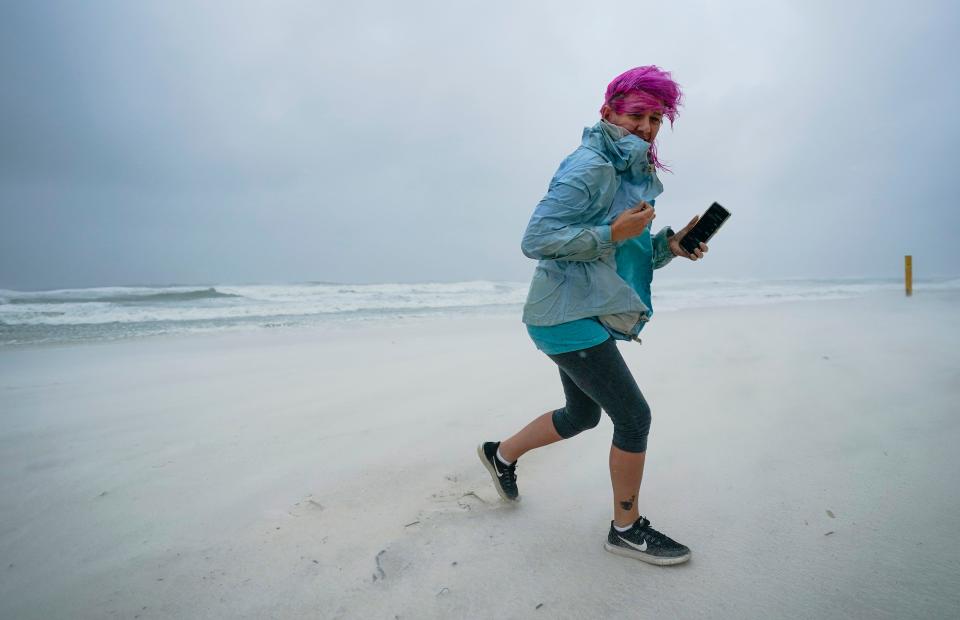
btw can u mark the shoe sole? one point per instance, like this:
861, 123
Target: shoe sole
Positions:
644, 557
493, 474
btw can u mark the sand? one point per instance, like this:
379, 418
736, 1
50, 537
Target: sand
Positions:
805, 452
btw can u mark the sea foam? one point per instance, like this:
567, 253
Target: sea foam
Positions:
118, 312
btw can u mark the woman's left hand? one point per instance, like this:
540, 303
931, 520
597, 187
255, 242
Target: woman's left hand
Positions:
676, 248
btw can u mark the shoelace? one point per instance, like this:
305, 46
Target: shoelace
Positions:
509, 472
653, 535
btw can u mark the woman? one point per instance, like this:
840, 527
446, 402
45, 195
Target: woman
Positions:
591, 236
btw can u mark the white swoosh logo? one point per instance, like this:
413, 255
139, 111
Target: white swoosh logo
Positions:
642, 547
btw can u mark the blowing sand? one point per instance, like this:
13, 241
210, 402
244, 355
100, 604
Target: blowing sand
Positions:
807, 453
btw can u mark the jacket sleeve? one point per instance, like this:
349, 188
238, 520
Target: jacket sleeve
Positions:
662, 254
558, 230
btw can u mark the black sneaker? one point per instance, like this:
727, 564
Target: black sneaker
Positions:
642, 542
504, 476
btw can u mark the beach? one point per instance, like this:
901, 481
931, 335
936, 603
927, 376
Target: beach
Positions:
804, 451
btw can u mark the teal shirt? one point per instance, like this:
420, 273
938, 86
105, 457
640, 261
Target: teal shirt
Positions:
566, 337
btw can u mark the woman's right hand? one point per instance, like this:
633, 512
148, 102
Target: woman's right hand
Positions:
632, 222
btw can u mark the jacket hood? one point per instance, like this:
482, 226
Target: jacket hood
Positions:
623, 149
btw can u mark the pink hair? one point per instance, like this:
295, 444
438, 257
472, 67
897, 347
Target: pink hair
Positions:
645, 89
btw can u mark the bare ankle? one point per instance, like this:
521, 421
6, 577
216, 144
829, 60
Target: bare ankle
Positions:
509, 458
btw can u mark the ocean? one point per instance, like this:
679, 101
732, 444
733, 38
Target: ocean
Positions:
111, 313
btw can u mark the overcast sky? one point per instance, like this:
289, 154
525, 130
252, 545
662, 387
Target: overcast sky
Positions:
238, 142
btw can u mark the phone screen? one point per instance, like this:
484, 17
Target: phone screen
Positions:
705, 227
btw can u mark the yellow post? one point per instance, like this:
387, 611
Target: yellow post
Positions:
908, 273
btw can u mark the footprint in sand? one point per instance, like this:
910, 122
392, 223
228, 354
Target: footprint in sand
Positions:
306, 507
459, 495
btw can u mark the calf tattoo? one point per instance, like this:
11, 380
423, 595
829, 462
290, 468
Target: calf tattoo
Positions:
627, 504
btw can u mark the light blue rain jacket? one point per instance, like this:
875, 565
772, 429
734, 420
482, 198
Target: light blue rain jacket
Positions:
581, 273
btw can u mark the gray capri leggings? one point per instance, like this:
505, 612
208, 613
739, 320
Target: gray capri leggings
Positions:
595, 378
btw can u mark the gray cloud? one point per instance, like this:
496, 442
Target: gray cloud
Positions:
238, 142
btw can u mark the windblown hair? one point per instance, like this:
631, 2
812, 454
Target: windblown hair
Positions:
645, 89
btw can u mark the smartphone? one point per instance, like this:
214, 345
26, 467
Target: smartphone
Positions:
705, 227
